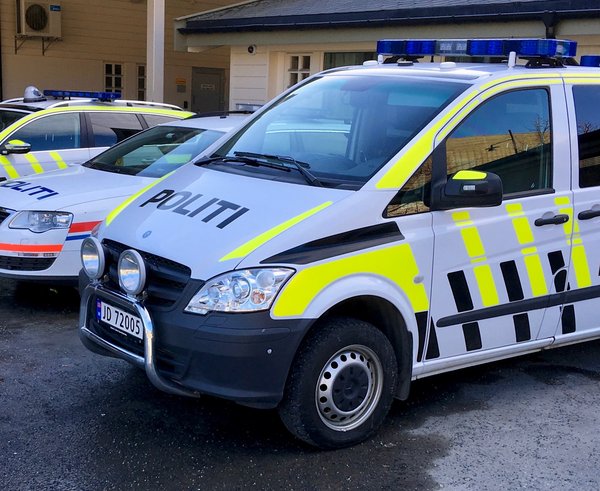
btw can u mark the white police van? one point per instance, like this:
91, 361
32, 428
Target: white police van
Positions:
44, 218
371, 226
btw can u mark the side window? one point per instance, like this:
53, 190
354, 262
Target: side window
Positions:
414, 195
112, 127
154, 119
9, 117
509, 135
57, 131
587, 109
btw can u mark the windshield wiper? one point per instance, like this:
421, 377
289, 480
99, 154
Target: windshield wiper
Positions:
301, 167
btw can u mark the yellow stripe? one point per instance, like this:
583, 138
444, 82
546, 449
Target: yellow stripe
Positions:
581, 267
487, 287
8, 167
523, 230
58, 159
113, 214
535, 271
514, 209
35, 163
461, 216
579, 260
256, 242
472, 241
533, 264
469, 174
396, 263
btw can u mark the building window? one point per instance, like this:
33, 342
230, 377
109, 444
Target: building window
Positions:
141, 82
113, 77
299, 68
334, 60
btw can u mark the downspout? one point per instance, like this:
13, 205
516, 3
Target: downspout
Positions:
550, 20
1, 83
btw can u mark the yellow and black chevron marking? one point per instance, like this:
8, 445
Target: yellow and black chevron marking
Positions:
433, 349
567, 315
464, 303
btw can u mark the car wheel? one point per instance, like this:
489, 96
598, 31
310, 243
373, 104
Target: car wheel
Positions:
341, 385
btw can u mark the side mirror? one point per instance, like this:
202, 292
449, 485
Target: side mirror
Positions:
468, 188
15, 146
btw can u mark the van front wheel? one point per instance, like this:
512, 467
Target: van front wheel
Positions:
341, 385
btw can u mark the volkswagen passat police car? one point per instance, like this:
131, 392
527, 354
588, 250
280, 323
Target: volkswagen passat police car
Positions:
39, 132
44, 218
371, 226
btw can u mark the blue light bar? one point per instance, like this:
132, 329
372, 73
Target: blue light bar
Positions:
103, 96
547, 48
590, 60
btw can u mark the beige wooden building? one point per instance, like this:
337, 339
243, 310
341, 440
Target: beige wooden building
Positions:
274, 43
102, 45
221, 54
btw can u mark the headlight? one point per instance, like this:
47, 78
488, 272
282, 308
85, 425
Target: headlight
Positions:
41, 221
132, 272
92, 258
240, 291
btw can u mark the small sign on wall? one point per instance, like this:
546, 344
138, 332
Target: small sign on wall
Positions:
181, 84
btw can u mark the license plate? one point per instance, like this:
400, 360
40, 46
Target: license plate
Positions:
119, 319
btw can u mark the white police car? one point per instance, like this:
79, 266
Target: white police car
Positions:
44, 218
46, 132
371, 226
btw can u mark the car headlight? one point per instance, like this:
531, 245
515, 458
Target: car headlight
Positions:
132, 272
92, 258
41, 221
246, 290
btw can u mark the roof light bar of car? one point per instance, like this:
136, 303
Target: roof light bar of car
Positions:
590, 60
547, 48
65, 94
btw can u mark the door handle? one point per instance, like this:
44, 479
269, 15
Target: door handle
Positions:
588, 214
555, 220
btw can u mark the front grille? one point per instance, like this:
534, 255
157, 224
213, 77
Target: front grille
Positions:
165, 281
26, 263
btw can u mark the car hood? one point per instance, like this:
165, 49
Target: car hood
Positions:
64, 189
210, 220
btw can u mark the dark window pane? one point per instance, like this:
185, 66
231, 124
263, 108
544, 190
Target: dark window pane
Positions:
333, 60
110, 128
51, 132
587, 109
510, 135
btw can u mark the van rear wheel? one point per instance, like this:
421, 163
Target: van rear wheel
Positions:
341, 385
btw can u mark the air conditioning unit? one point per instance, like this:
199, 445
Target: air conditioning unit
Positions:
39, 18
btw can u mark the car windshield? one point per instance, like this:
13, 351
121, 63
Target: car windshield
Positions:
155, 152
342, 128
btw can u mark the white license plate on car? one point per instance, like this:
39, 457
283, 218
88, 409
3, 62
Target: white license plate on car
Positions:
119, 319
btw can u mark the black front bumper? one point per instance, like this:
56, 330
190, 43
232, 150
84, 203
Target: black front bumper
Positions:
243, 357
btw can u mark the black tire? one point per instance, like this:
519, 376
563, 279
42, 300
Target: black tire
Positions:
344, 351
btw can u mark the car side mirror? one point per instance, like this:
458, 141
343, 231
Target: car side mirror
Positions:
15, 146
469, 188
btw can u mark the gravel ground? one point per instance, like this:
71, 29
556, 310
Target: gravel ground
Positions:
72, 420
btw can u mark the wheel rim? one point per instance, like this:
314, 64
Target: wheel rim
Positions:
349, 387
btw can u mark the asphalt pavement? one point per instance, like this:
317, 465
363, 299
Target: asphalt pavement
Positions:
73, 420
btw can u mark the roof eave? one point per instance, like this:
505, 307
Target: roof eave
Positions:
478, 13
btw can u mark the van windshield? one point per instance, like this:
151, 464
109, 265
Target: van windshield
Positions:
342, 128
155, 152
